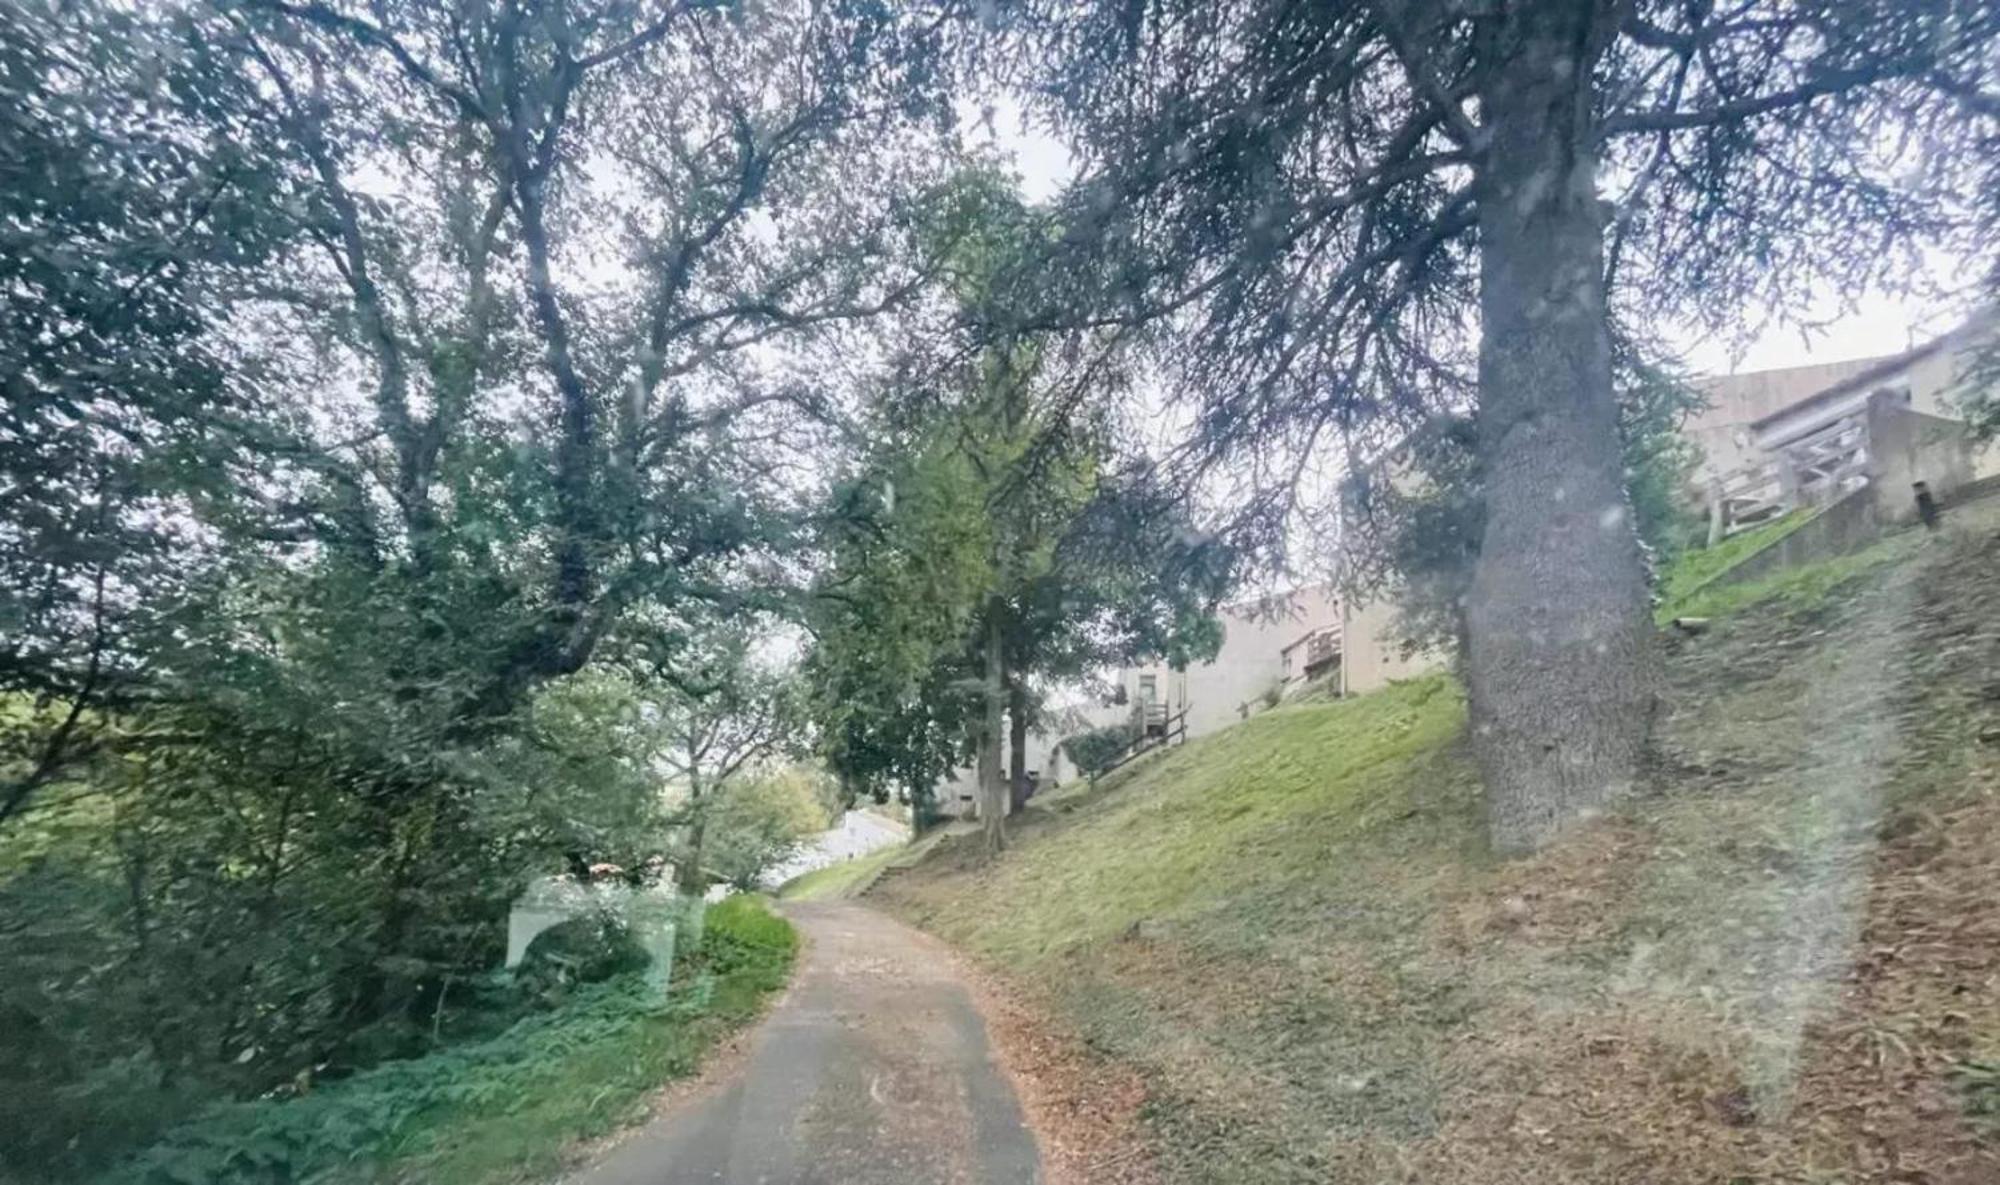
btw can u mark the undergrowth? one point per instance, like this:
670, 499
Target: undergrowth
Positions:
501, 1109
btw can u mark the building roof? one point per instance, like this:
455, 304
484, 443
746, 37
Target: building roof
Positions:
1309, 635
1879, 371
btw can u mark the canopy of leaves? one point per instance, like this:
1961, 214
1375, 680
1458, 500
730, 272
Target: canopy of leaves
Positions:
395, 392
1284, 198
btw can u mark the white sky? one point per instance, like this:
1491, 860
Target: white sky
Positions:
1881, 324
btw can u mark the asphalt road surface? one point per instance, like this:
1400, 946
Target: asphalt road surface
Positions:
873, 1070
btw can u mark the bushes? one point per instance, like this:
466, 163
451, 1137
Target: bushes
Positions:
757, 819
1099, 747
589, 949
497, 1109
297, 876
744, 940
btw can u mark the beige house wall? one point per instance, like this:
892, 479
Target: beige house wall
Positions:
1249, 666
1214, 694
1735, 401
1372, 656
1934, 376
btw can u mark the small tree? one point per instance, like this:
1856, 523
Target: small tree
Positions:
758, 819
722, 713
1097, 748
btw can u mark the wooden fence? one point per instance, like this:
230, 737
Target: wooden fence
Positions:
1813, 470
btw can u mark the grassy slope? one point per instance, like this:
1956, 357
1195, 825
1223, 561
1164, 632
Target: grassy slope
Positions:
1693, 569
1292, 929
851, 878
837, 880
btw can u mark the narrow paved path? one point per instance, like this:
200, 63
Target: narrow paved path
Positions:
873, 1070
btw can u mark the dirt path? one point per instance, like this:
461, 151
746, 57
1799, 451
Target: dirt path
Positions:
873, 1070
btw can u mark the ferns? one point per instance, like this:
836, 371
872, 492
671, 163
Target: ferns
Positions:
548, 1079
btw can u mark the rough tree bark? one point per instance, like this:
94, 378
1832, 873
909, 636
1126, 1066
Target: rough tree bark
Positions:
687, 877
1561, 651
1017, 743
992, 778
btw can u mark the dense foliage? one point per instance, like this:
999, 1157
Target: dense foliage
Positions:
605, 1048
1094, 749
759, 819
394, 394
997, 541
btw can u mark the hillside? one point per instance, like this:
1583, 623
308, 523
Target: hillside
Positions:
1779, 963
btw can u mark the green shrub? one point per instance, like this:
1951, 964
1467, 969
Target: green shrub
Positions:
498, 1109
758, 819
1094, 750
741, 937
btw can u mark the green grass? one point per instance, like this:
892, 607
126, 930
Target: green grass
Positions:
1692, 569
1240, 871
849, 878
1202, 827
1799, 589
1294, 931
500, 1110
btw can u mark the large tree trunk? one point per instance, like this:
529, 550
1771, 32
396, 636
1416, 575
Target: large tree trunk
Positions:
688, 876
693, 882
1561, 650
1017, 742
992, 779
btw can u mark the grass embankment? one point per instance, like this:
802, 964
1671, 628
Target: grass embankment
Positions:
1689, 587
838, 880
500, 1110
851, 878
1777, 963
1692, 569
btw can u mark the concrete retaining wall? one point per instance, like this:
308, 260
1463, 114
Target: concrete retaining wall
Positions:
1847, 525
1904, 446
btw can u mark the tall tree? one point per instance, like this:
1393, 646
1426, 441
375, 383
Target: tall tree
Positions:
124, 221
1329, 202
897, 683
371, 369
568, 247
1001, 448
